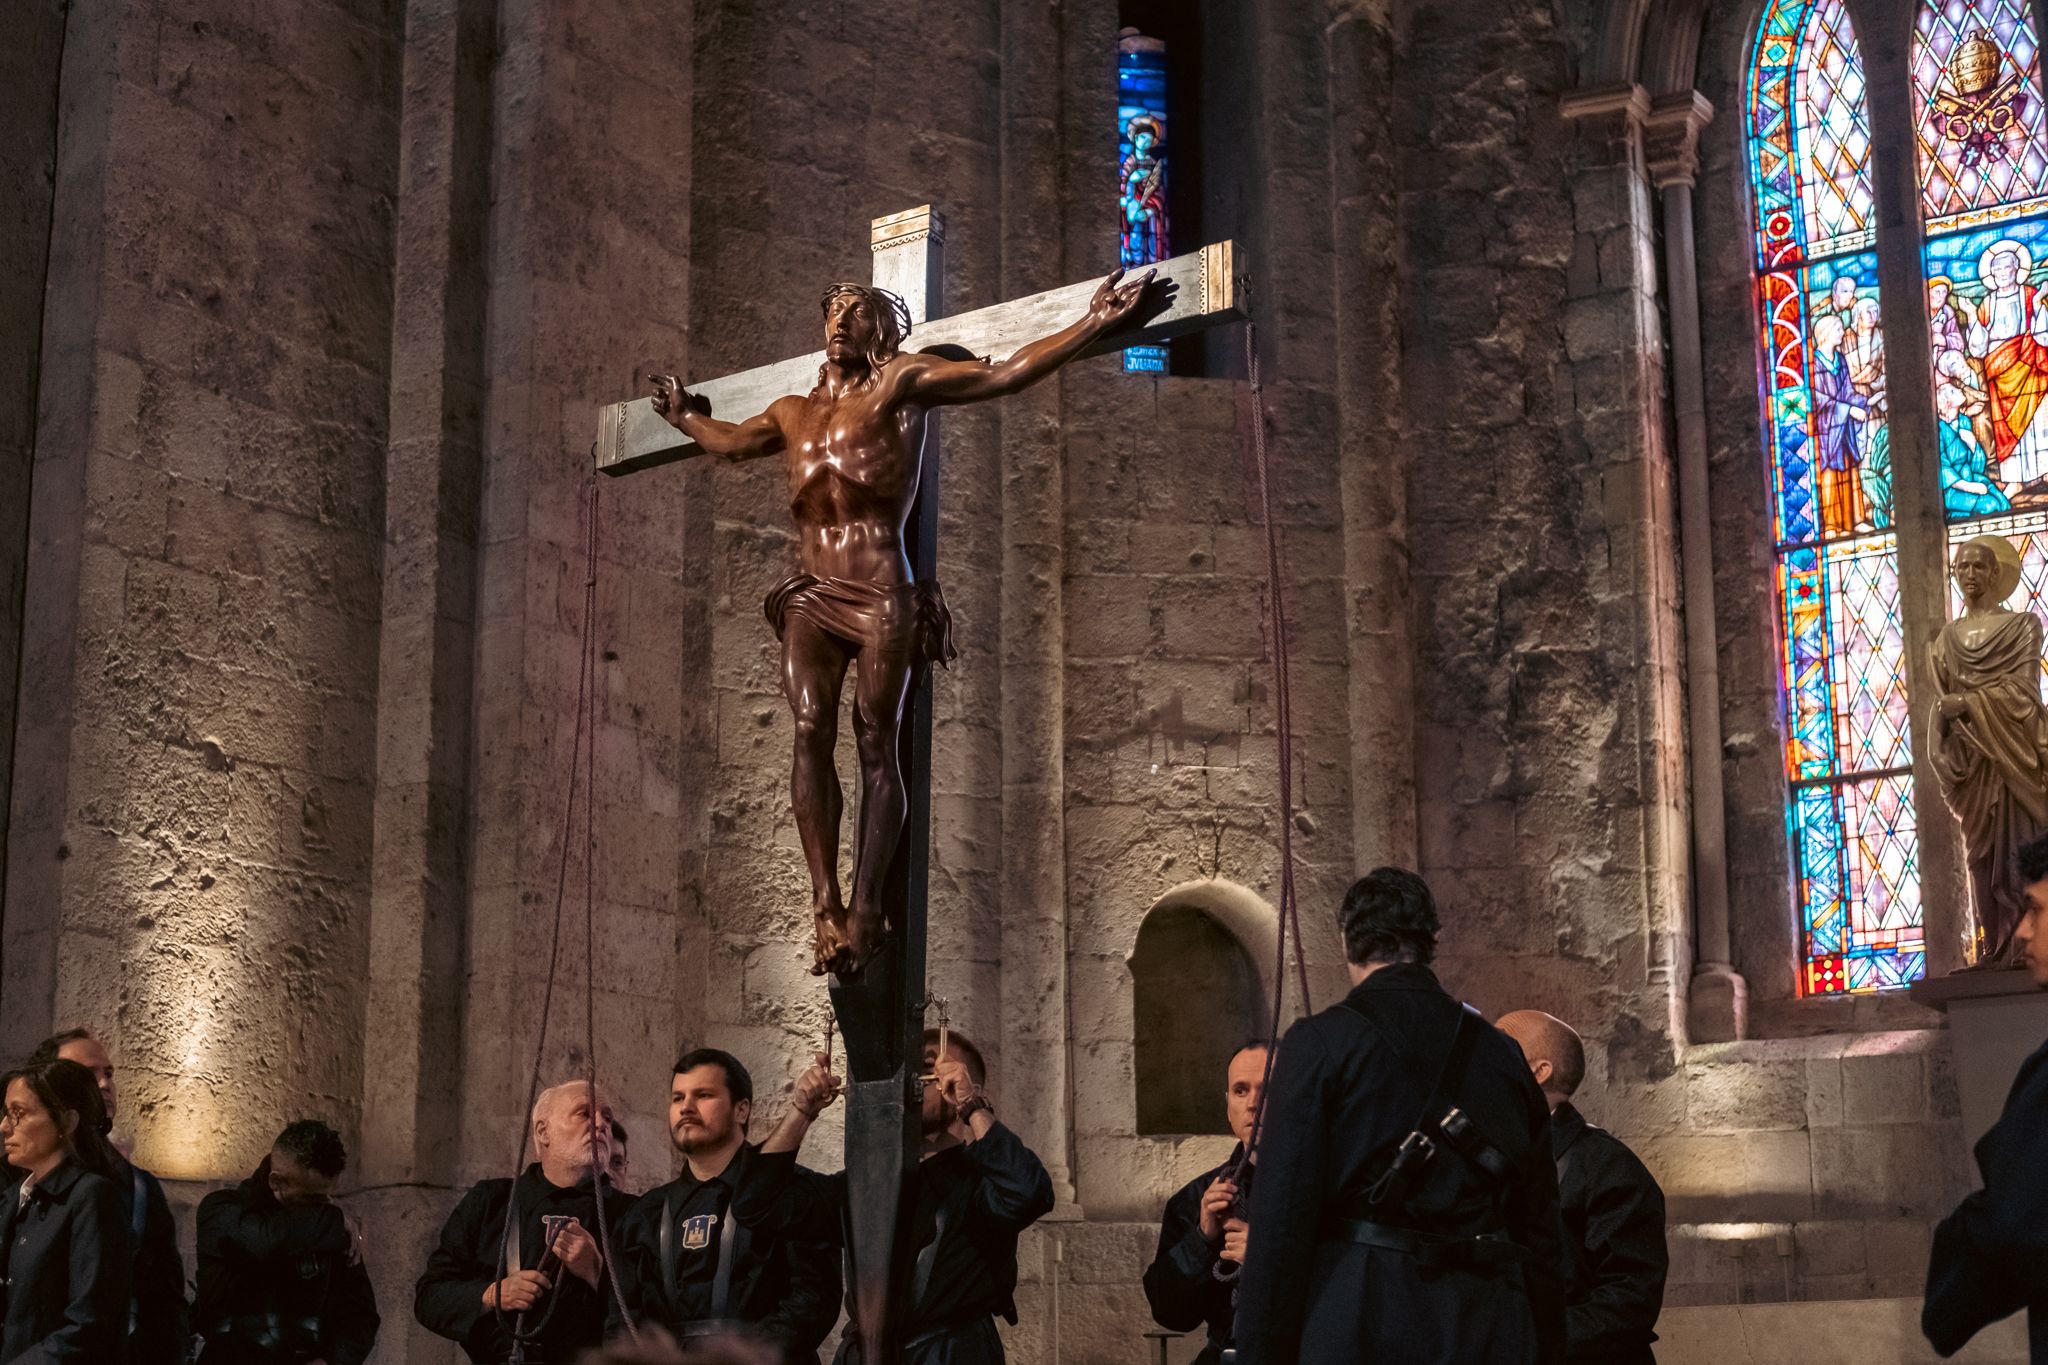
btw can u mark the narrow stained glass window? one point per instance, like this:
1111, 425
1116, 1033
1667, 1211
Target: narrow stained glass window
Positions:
1848, 752
1141, 168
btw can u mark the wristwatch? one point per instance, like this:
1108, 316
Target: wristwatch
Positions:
973, 1105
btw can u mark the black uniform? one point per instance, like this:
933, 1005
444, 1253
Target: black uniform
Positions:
973, 1201
66, 1269
159, 1324
1615, 1258
749, 1252
1181, 1283
1466, 1270
449, 1298
1990, 1256
277, 1284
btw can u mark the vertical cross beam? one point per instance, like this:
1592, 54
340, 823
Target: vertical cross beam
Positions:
881, 1015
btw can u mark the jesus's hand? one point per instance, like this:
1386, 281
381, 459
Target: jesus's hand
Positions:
1114, 302
670, 399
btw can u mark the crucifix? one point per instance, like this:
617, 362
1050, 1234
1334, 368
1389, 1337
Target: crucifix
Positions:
853, 426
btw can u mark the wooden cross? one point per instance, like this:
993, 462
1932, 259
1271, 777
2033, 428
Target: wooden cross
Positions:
881, 1014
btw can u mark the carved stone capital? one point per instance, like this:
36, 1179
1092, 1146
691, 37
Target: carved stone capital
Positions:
1630, 104
1671, 136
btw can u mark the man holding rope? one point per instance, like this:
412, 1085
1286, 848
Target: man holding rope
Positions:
1192, 1281
519, 1262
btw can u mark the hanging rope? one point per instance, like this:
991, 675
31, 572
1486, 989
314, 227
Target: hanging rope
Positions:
1283, 725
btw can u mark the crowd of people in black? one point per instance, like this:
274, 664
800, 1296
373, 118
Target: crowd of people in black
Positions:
1410, 1184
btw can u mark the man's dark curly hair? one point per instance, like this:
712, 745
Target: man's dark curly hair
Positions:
2032, 859
315, 1146
1389, 916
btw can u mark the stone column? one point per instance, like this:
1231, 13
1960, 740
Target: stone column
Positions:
1717, 1000
1034, 866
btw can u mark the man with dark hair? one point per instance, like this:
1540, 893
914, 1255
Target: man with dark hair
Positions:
1192, 1281
978, 1188
1406, 1205
281, 1278
740, 1245
619, 1168
158, 1325
1990, 1257
519, 1260
1615, 1255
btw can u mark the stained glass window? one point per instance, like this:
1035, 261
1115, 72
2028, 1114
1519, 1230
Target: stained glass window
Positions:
1847, 745
1141, 168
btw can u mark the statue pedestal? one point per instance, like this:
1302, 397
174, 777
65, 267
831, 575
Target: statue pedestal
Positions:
1996, 1019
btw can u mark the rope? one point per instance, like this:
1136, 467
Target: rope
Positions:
1283, 725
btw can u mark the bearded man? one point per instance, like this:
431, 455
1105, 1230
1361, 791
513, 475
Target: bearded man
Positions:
2008, 330
738, 1248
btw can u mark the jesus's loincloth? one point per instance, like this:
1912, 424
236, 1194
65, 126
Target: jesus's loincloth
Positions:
903, 619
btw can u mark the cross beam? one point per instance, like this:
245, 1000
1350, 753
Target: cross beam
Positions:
632, 436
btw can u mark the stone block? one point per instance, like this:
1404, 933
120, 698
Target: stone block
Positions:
1733, 1177
1107, 616
1889, 1171
1884, 1088
1824, 1103
1745, 1095
1106, 1253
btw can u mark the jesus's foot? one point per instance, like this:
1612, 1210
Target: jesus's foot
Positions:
865, 934
828, 943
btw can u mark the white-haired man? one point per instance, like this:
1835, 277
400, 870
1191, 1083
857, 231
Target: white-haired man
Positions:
536, 1276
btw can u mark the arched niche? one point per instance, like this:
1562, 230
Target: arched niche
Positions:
1199, 970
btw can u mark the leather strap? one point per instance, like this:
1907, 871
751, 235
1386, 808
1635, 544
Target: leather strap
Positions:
721, 1279
668, 1246
927, 1258
1437, 1252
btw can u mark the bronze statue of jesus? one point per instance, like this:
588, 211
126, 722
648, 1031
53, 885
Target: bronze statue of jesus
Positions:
852, 448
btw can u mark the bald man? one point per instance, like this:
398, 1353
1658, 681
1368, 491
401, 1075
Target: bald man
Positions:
1613, 1210
543, 1280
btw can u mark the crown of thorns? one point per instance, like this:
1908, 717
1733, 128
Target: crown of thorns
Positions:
892, 313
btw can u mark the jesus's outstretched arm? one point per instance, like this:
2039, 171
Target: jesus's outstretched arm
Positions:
749, 440
936, 382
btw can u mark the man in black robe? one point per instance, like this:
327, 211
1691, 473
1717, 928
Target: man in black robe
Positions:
1192, 1281
739, 1246
978, 1188
281, 1278
1990, 1257
1615, 1255
539, 1280
1359, 1255
159, 1330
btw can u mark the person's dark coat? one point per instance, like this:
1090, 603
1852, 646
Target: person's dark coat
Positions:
280, 1283
1349, 1084
1990, 1257
973, 1202
1615, 1256
449, 1297
66, 1270
161, 1325
1181, 1283
785, 1277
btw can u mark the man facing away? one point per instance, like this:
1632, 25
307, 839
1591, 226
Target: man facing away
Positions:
159, 1329
978, 1188
1990, 1256
853, 450
1192, 1281
739, 1247
1406, 1205
281, 1278
519, 1260
1615, 1255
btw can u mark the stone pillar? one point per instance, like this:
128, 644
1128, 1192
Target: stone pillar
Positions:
1717, 999
1034, 862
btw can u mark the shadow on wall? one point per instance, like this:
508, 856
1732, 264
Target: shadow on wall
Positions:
1199, 975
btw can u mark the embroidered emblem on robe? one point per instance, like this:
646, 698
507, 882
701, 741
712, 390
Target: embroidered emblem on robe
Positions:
697, 1231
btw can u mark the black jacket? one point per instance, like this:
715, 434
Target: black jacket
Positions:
1349, 1084
69, 1270
1181, 1283
785, 1262
449, 1298
162, 1328
1990, 1256
293, 1268
1615, 1258
973, 1202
